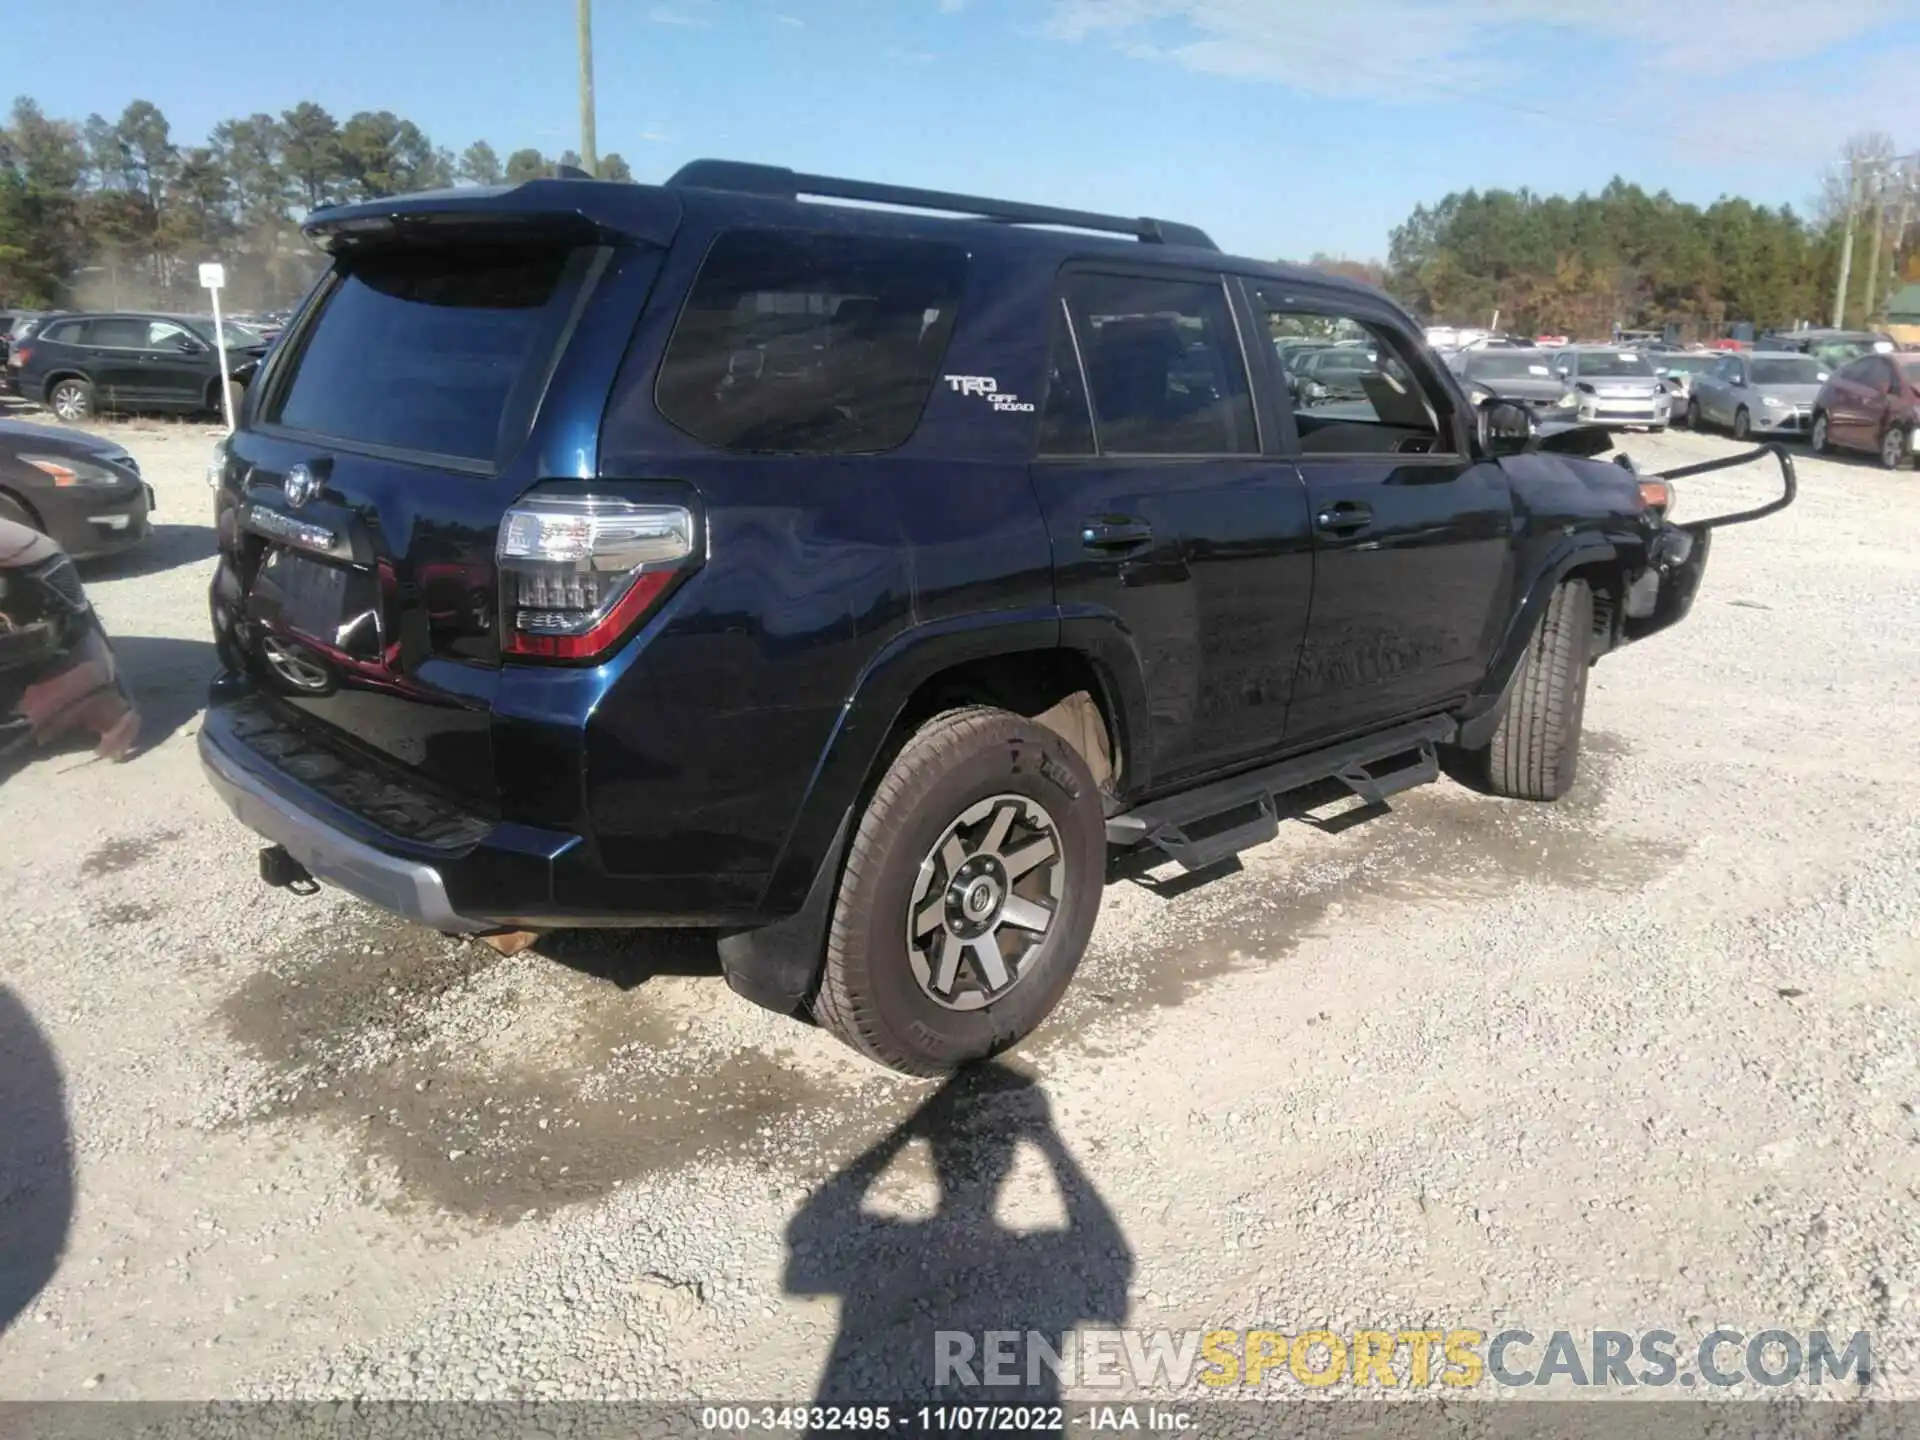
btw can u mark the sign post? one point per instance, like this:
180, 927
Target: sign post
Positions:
213, 276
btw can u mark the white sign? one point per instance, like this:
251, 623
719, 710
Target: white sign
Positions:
213, 275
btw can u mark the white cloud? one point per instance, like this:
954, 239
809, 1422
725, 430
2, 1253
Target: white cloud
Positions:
1402, 48
791, 20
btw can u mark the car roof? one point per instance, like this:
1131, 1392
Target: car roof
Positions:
655, 212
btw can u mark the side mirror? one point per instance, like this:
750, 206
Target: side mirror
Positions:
1563, 371
187, 345
1507, 427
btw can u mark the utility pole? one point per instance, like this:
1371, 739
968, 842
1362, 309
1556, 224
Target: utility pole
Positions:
1879, 231
589, 156
1846, 245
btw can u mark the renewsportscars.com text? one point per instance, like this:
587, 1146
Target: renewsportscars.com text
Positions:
1457, 1359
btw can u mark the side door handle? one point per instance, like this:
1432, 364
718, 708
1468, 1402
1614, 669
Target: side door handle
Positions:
1115, 534
1345, 518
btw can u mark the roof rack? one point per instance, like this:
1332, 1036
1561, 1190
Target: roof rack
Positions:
785, 184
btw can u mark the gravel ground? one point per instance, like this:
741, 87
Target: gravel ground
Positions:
1645, 1059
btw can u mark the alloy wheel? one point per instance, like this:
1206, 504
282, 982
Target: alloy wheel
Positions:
984, 902
69, 402
1893, 448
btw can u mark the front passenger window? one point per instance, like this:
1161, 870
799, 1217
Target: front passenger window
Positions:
1354, 390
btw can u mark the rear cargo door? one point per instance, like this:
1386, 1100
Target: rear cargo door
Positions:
390, 434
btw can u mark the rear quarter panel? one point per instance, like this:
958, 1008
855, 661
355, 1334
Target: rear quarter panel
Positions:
731, 737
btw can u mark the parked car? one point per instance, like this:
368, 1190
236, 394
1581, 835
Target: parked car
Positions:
1519, 375
1616, 388
20, 326
57, 669
1757, 393
870, 658
1834, 347
1332, 374
77, 364
1871, 404
1677, 368
83, 491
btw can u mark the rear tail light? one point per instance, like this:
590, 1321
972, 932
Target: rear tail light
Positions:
578, 571
22, 354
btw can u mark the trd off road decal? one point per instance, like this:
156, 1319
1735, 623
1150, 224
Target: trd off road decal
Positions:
987, 388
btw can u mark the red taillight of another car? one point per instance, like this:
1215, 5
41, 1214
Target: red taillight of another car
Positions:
21, 355
578, 572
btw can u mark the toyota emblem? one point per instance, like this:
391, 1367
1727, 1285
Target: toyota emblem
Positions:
301, 485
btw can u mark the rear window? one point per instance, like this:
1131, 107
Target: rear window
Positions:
65, 332
437, 351
800, 343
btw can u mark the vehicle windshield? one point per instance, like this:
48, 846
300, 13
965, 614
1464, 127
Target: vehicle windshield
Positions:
1614, 363
1839, 352
1352, 360
238, 333
1800, 370
1688, 364
1509, 365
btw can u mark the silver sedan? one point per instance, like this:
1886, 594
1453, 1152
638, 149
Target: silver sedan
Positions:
1758, 394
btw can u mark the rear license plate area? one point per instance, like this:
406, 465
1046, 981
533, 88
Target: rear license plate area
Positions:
328, 605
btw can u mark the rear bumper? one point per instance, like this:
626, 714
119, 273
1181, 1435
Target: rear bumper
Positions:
411, 888
453, 871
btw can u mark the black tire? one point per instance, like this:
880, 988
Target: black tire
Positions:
1742, 424
75, 394
1818, 439
1895, 446
1695, 421
870, 994
1535, 752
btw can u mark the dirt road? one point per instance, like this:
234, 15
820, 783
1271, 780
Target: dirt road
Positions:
1646, 1059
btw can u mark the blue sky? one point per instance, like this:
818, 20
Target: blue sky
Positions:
1282, 126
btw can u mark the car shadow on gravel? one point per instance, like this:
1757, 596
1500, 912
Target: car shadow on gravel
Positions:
167, 678
36, 1161
167, 547
917, 1292
630, 958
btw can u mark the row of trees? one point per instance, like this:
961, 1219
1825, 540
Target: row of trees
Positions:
1577, 266
117, 212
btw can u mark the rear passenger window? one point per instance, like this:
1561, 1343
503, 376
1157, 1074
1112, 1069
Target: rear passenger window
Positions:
1164, 366
118, 334
65, 332
1066, 422
436, 351
800, 343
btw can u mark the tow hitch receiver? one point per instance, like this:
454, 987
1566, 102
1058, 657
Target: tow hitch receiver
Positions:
280, 870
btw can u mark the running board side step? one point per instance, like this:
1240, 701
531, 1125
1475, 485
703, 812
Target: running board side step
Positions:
1202, 827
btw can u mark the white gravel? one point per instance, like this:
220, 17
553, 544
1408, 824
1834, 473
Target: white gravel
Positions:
1647, 1059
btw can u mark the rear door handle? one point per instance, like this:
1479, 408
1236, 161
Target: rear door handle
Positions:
1344, 518
1116, 534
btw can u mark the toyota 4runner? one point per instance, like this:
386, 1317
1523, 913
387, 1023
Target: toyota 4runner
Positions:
858, 582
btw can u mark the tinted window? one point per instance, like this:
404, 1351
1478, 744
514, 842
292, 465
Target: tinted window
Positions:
1803, 370
812, 344
1860, 372
1911, 370
66, 332
1066, 420
1613, 363
118, 334
1358, 398
1687, 364
432, 350
1510, 365
1163, 361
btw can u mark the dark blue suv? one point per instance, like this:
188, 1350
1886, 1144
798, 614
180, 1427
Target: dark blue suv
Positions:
859, 582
